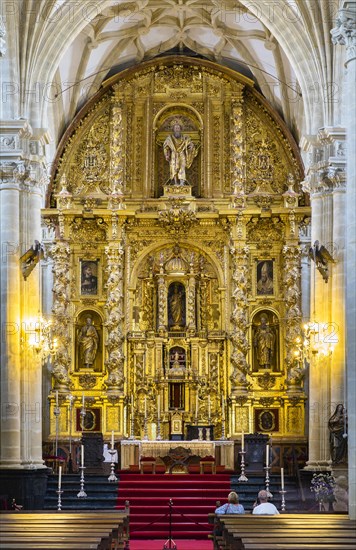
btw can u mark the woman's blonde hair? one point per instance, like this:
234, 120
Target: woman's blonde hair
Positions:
233, 497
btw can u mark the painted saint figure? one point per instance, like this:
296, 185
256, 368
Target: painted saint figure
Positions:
88, 341
179, 151
265, 282
264, 343
176, 307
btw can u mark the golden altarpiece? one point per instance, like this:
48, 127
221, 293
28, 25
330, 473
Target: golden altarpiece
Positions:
177, 300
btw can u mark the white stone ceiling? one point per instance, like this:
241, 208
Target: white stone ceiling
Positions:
282, 44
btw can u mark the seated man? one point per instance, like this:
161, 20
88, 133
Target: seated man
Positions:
232, 506
265, 507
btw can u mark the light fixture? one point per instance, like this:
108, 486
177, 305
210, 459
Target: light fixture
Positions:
41, 339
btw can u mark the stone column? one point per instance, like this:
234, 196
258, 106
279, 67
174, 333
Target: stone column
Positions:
10, 313
345, 34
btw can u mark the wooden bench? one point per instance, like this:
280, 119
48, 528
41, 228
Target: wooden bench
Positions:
97, 530
287, 531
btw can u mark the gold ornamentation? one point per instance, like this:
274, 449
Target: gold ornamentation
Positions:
239, 318
60, 253
265, 231
178, 76
87, 381
266, 401
82, 230
117, 150
177, 220
266, 381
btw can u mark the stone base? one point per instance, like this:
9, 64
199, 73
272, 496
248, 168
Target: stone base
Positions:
28, 487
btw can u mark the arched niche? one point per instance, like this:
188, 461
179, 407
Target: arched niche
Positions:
88, 342
265, 338
176, 303
163, 127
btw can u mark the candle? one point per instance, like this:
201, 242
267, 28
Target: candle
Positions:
223, 406
242, 441
82, 455
158, 406
112, 439
196, 405
267, 455
83, 401
145, 406
56, 398
209, 407
132, 404
282, 479
59, 478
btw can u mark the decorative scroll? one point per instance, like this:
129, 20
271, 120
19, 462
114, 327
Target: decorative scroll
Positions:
239, 318
115, 316
61, 326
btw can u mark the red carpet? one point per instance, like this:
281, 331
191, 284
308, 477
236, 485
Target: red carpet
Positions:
193, 496
181, 544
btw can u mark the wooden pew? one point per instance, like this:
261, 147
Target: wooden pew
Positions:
289, 531
90, 530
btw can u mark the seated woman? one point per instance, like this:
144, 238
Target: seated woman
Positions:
232, 506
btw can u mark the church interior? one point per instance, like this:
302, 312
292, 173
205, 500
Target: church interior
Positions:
178, 241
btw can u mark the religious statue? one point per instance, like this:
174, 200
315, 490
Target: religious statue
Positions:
179, 151
264, 344
338, 437
88, 342
176, 307
265, 281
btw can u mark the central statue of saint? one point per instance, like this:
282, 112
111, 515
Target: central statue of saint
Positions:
179, 151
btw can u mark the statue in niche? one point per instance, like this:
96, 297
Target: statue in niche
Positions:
264, 344
338, 437
176, 303
179, 151
88, 341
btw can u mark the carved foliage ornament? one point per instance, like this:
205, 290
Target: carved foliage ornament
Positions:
180, 77
265, 231
177, 219
82, 230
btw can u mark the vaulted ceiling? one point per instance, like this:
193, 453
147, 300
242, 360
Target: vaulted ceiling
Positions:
284, 45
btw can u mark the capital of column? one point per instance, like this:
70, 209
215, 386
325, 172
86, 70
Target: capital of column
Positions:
344, 33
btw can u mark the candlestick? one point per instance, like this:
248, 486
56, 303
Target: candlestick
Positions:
282, 479
242, 477
82, 493
242, 441
112, 439
82, 455
283, 503
112, 476
267, 455
59, 503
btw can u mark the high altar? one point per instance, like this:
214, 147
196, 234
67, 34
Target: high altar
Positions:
175, 218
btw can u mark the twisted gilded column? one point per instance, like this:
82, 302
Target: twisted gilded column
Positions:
114, 318
239, 318
293, 315
191, 320
60, 253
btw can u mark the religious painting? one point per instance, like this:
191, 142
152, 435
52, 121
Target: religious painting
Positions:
89, 277
265, 342
266, 420
91, 422
264, 277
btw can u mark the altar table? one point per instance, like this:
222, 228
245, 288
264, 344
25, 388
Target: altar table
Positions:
133, 450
